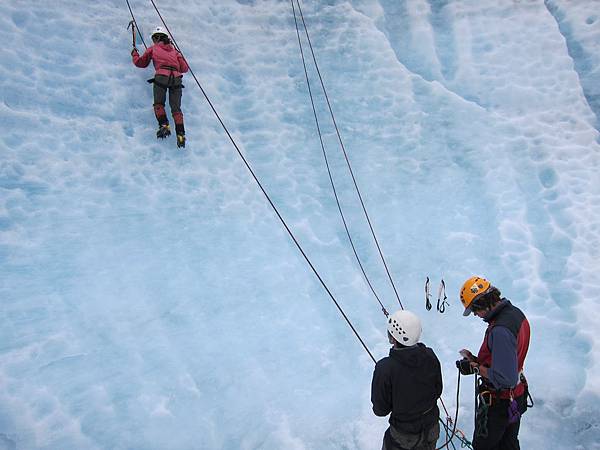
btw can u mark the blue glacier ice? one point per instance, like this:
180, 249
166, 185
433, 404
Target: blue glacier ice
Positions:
151, 299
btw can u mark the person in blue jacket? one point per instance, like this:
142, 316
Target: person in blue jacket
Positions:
502, 389
406, 385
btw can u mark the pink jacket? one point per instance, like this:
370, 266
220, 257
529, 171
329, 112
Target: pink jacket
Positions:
164, 56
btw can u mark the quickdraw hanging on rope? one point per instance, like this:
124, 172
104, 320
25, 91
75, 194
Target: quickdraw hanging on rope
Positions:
442, 302
441, 296
427, 295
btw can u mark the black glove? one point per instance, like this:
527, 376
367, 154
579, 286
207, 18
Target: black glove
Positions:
464, 366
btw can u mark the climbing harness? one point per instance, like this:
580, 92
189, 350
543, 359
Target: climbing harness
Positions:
170, 80
169, 84
343, 148
442, 302
486, 397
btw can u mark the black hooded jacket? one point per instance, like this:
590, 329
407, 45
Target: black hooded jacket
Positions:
408, 383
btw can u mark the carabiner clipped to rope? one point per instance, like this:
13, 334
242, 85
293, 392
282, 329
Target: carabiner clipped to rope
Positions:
441, 303
427, 295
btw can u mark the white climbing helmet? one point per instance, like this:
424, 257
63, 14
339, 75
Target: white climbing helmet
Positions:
158, 30
405, 327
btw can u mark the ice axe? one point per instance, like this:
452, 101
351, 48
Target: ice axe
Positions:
132, 26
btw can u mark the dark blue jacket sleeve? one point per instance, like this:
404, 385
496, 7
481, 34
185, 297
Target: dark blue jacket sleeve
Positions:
504, 373
381, 392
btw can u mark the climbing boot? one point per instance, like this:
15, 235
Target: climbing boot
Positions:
163, 131
181, 140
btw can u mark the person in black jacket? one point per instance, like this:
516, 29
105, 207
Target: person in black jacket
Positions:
407, 384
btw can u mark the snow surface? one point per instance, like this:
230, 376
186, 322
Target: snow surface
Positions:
150, 298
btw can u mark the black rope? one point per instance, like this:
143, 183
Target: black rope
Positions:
337, 200
135, 24
481, 409
263, 189
346, 156
476, 400
453, 434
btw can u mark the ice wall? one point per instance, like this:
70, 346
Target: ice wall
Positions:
150, 298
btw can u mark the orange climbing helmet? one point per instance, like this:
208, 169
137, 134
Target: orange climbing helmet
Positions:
472, 289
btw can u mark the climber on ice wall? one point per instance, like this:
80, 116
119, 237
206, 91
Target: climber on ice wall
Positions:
169, 67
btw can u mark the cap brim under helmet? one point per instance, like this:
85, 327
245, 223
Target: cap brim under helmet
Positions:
469, 309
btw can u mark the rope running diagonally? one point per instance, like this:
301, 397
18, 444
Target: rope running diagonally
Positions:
283, 222
337, 200
346, 156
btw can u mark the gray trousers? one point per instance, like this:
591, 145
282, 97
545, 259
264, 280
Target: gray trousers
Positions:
160, 92
425, 440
